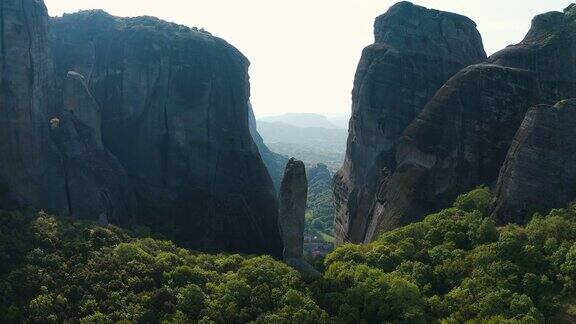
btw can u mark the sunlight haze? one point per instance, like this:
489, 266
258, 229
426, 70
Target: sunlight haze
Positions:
304, 53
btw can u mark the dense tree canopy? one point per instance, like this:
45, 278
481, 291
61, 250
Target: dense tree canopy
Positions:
54, 270
455, 266
320, 209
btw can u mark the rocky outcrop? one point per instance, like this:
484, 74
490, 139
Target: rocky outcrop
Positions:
416, 51
174, 104
549, 51
274, 162
293, 195
97, 187
77, 99
461, 138
30, 166
540, 170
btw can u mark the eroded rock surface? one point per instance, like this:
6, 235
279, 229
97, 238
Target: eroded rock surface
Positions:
462, 136
540, 170
174, 103
293, 196
97, 187
30, 166
158, 128
416, 51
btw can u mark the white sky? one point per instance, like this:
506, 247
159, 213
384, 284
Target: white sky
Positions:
304, 53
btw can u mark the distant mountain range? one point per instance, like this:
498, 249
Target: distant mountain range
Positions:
312, 138
303, 120
339, 121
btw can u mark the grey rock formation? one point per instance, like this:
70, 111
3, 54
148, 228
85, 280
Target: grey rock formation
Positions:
97, 187
158, 129
549, 51
293, 195
462, 136
416, 51
274, 162
77, 99
29, 163
74, 175
540, 170
174, 104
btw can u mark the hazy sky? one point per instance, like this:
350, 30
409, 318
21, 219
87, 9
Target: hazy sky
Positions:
304, 53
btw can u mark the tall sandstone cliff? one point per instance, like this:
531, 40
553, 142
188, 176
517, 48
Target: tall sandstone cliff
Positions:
461, 138
416, 51
96, 183
175, 105
151, 128
539, 172
30, 166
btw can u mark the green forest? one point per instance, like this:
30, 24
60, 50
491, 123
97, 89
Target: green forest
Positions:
320, 208
455, 266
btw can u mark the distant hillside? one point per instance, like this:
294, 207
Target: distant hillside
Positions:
340, 121
312, 145
320, 210
303, 120
275, 163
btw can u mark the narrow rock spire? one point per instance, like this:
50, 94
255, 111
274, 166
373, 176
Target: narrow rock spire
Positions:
293, 195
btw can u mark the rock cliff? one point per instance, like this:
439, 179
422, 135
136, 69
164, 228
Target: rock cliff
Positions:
461, 138
30, 166
152, 128
175, 105
416, 51
539, 172
97, 186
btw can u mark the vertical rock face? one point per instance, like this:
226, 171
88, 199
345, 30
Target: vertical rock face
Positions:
416, 51
78, 100
97, 186
274, 162
540, 170
158, 129
174, 104
29, 162
549, 51
462, 136
293, 195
